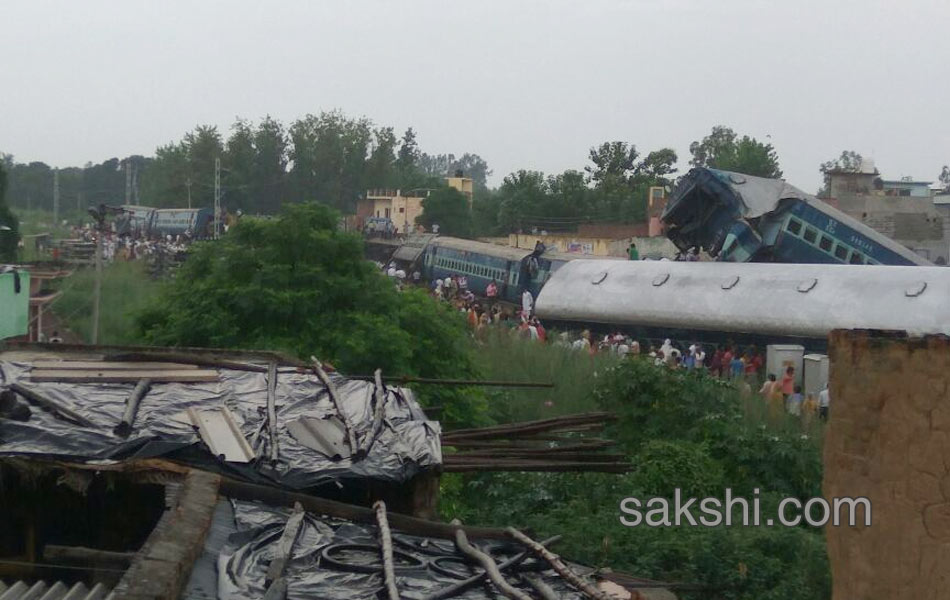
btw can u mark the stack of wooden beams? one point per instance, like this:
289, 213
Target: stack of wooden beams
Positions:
79, 371
556, 444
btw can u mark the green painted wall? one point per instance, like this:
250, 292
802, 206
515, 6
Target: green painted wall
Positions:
14, 307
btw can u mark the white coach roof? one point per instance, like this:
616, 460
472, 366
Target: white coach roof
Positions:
766, 298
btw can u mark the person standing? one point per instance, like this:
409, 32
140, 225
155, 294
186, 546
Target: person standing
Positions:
527, 303
793, 404
788, 382
632, 252
824, 399
491, 292
727, 362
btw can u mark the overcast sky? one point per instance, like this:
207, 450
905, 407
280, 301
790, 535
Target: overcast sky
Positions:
524, 84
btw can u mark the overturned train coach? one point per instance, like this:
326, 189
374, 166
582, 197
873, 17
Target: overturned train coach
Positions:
767, 303
740, 218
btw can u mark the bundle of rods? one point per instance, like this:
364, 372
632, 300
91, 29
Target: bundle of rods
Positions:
548, 445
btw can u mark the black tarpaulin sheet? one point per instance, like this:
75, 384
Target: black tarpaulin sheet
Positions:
407, 442
336, 560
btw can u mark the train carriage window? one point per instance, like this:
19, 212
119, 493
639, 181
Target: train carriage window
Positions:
825, 243
856, 258
794, 226
841, 252
810, 235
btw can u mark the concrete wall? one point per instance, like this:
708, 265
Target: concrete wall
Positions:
14, 307
914, 222
888, 438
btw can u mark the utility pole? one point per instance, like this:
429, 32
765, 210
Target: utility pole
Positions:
128, 182
100, 217
217, 197
188, 185
55, 197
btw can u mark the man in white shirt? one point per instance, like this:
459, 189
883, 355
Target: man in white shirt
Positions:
824, 399
527, 303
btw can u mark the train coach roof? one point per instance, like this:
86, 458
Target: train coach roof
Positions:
763, 298
497, 250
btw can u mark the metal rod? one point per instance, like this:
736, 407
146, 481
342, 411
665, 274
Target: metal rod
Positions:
386, 544
467, 382
124, 428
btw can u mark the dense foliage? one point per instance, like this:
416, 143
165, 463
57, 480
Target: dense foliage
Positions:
327, 157
297, 284
448, 208
682, 431
724, 149
9, 226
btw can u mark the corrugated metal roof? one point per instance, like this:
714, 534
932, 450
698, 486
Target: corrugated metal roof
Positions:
40, 590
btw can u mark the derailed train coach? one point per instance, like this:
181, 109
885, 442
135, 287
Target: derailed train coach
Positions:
740, 218
769, 302
513, 270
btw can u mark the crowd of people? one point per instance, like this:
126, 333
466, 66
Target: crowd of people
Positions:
743, 366
117, 246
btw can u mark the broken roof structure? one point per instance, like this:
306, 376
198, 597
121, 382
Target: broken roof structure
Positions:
256, 416
165, 474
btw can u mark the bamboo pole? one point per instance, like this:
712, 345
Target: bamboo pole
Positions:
386, 544
379, 393
487, 563
555, 561
457, 588
331, 391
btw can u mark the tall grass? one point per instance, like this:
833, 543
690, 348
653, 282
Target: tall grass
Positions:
126, 289
506, 357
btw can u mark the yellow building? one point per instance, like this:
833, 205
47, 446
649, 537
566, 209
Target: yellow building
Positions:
466, 185
392, 204
402, 208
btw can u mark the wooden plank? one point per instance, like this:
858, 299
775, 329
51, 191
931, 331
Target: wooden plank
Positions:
82, 376
99, 365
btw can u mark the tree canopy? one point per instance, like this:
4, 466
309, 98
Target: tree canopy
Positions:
326, 157
449, 208
299, 285
9, 226
724, 149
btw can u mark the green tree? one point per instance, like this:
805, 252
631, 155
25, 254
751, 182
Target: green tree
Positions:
269, 183
944, 178
9, 225
449, 208
407, 162
299, 285
522, 196
167, 182
203, 146
239, 163
724, 149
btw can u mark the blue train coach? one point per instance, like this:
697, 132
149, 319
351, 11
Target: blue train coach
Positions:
740, 218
